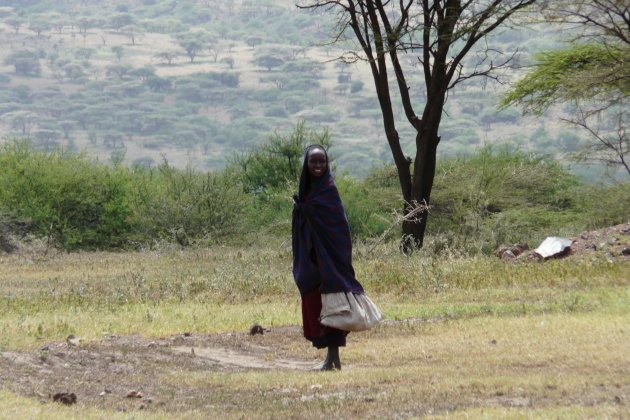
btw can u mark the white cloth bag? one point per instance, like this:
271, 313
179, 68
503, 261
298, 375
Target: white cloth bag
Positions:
349, 311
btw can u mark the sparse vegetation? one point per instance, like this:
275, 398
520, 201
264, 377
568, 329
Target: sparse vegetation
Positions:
498, 334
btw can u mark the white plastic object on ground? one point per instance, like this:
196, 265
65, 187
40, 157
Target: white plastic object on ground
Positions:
553, 245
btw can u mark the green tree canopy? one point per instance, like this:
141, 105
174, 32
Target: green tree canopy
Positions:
581, 72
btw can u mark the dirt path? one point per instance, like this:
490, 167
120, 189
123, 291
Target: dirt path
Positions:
232, 358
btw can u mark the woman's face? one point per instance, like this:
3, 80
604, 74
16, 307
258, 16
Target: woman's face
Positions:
316, 162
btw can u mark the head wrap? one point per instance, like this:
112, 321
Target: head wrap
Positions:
322, 246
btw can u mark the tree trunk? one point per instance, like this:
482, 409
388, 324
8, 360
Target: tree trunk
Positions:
414, 229
427, 141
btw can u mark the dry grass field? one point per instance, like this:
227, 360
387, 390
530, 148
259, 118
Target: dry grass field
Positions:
464, 337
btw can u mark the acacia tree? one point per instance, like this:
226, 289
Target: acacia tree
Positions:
592, 73
442, 33
192, 43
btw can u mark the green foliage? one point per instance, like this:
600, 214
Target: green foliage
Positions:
278, 161
503, 195
562, 75
193, 43
369, 207
499, 196
268, 61
356, 86
601, 206
83, 204
186, 205
79, 202
26, 63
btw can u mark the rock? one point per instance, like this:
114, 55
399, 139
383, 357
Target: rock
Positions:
514, 249
134, 394
256, 329
65, 398
71, 340
529, 256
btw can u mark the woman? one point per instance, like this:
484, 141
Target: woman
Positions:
322, 251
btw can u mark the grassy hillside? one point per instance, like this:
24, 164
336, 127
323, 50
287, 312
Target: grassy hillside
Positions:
197, 81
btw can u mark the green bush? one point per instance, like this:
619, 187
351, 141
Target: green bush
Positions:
368, 207
277, 162
501, 195
71, 198
185, 205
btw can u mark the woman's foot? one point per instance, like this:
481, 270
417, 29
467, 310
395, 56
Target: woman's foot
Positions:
332, 361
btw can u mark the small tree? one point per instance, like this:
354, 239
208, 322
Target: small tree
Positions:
120, 70
26, 63
119, 51
442, 33
23, 121
192, 47
268, 61
254, 41
132, 32
39, 26
120, 20
144, 72
66, 126
167, 56
215, 48
158, 84
73, 71
278, 161
229, 61
16, 23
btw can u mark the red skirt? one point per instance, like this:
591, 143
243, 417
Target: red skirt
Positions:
320, 335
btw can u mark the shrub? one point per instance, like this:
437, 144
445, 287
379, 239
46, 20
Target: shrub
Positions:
278, 161
501, 195
186, 205
75, 200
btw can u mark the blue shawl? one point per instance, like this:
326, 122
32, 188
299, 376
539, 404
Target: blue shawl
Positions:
322, 247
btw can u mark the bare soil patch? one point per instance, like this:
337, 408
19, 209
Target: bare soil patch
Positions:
106, 373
